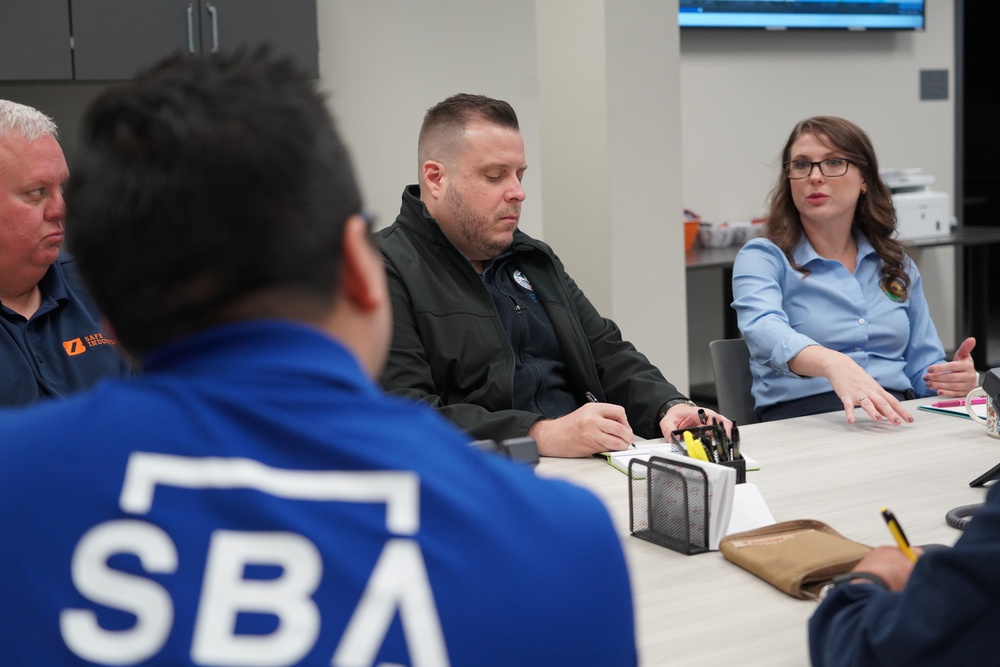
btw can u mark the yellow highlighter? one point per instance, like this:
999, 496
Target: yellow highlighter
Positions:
898, 534
694, 447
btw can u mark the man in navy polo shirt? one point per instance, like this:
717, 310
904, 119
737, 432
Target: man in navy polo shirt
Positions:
51, 341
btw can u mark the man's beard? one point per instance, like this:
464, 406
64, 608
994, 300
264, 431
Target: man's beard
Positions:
472, 227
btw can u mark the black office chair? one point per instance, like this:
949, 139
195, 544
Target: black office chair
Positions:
731, 364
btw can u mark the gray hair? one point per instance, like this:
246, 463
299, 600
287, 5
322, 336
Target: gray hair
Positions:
25, 121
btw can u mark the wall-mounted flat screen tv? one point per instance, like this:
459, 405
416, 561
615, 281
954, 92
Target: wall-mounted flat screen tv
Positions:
793, 14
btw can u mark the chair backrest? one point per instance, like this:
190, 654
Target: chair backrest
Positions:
731, 363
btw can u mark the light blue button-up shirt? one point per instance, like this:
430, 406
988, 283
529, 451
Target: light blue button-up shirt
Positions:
781, 311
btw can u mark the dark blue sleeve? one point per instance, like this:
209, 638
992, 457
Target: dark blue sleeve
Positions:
947, 615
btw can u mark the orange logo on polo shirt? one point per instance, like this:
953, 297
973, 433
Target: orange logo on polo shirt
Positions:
80, 345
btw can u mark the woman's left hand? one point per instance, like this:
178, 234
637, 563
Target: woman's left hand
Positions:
957, 377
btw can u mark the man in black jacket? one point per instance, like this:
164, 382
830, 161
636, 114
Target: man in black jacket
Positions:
489, 328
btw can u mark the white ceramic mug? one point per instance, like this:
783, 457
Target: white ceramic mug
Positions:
991, 424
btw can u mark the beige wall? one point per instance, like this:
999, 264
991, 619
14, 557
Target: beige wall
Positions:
742, 91
385, 62
611, 146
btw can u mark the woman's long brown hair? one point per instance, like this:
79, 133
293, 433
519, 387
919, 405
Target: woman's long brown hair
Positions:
874, 215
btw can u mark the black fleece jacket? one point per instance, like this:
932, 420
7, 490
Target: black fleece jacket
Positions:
449, 348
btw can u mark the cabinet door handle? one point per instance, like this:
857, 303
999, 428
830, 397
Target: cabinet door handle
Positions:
215, 26
191, 28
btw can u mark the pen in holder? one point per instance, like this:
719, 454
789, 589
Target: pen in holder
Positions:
668, 504
718, 446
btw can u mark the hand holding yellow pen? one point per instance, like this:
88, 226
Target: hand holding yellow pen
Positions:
898, 534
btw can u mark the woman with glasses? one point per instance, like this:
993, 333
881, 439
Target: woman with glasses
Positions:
829, 302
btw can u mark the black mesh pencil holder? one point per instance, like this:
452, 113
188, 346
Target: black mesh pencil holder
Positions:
741, 469
709, 435
668, 504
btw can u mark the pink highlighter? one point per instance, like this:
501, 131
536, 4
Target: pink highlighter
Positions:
957, 402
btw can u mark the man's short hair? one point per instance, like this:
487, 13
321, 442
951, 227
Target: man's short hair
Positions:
204, 185
24, 121
447, 119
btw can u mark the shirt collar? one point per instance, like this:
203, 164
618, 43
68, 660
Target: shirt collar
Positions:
489, 271
803, 252
53, 284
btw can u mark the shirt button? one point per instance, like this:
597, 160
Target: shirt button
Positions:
857, 349
861, 321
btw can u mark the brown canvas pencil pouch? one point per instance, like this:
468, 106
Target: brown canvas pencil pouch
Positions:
797, 557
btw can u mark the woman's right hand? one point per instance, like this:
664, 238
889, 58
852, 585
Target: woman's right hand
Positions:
852, 384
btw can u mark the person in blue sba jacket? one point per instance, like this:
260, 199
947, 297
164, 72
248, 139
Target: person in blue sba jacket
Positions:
254, 498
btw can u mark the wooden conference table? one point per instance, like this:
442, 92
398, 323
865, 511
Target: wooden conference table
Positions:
702, 610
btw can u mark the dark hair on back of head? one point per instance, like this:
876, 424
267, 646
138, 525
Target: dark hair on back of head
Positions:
454, 113
205, 182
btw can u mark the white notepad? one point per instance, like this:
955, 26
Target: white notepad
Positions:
749, 510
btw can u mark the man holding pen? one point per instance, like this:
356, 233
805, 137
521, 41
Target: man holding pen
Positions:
488, 326
940, 610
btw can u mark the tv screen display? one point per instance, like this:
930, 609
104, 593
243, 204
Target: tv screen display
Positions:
786, 14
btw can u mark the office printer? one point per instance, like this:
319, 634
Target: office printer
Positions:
919, 210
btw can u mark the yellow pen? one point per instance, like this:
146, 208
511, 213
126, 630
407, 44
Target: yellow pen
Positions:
694, 447
898, 534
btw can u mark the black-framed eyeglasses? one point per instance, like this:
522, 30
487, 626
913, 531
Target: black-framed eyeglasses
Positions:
831, 167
